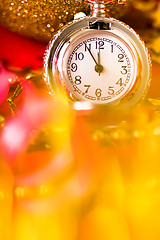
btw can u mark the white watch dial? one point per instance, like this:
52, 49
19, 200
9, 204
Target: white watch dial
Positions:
99, 66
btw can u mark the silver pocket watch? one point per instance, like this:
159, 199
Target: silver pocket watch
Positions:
98, 59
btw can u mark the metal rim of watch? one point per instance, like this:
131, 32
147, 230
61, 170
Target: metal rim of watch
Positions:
61, 37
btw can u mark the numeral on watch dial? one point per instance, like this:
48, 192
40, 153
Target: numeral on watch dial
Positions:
78, 80
111, 90
87, 86
74, 67
120, 82
98, 92
79, 56
124, 70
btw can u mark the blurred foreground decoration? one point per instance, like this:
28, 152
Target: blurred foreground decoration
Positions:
69, 174
41, 19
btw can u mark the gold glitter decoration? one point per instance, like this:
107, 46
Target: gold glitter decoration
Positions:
42, 18
39, 18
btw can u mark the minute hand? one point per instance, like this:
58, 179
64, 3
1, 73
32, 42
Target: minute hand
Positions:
91, 54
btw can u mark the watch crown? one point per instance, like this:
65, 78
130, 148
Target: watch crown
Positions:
99, 8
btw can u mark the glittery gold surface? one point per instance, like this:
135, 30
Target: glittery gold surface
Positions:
42, 18
39, 18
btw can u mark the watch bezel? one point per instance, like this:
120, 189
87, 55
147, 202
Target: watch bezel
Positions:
77, 26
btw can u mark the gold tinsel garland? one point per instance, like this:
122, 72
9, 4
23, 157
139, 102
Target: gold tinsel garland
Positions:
40, 19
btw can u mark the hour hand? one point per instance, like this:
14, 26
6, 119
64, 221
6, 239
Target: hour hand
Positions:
99, 60
99, 67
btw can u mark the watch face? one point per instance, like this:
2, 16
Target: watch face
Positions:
98, 66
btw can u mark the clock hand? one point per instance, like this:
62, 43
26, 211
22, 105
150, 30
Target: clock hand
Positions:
99, 60
91, 54
99, 57
98, 67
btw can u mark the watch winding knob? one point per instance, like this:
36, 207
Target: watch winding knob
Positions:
99, 7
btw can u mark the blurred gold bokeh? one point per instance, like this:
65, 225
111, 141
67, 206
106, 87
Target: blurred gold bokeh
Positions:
87, 175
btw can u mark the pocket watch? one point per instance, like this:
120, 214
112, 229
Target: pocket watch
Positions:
98, 59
